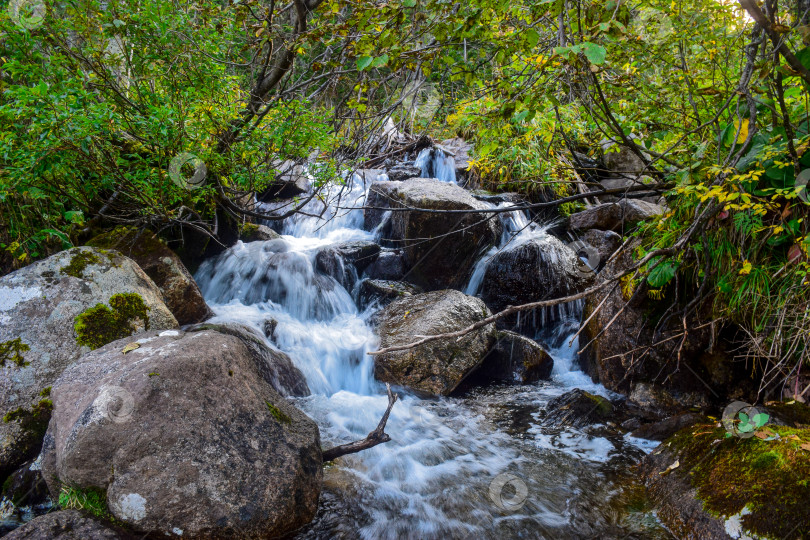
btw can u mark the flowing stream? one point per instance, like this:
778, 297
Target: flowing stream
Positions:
481, 465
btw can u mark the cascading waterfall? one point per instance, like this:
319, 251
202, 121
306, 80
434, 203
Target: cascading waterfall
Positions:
435, 477
435, 163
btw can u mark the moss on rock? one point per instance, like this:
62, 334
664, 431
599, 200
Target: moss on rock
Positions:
767, 481
34, 421
79, 262
277, 413
11, 353
99, 325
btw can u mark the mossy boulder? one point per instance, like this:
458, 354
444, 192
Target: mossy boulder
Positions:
709, 484
100, 293
578, 408
184, 433
438, 367
179, 290
440, 248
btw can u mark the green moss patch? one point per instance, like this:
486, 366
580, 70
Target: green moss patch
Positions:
277, 413
11, 353
79, 262
34, 421
99, 325
90, 500
769, 477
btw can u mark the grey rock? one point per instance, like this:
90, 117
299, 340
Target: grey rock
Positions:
68, 525
184, 433
515, 359
620, 215
384, 292
440, 248
438, 367
38, 307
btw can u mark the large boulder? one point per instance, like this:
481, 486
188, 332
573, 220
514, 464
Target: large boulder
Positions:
614, 216
389, 266
577, 408
184, 435
621, 160
52, 312
440, 248
275, 366
179, 290
601, 243
532, 270
435, 368
515, 359
69, 525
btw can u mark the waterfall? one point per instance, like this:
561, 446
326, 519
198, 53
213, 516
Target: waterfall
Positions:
434, 478
435, 163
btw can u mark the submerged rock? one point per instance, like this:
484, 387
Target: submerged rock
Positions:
179, 290
706, 483
515, 359
384, 292
440, 248
621, 215
438, 367
184, 434
537, 269
52, 312
69, 525
578, 408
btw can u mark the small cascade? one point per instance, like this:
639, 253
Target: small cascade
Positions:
435, 478
436, 163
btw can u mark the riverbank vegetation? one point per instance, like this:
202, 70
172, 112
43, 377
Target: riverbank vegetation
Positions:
98, 100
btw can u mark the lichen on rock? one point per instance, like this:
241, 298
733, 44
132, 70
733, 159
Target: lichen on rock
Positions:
11, 353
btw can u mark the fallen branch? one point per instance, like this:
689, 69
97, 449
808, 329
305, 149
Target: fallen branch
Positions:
378, 436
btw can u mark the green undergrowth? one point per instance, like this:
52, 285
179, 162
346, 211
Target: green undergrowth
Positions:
90, 500
769, 479
99, 325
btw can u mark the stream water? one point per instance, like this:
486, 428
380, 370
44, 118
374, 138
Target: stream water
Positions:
480, 465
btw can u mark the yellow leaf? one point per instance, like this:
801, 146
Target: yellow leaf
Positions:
743, 130
130, 347
746, 269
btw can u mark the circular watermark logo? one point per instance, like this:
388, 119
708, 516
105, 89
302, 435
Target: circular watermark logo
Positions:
500, 496
115, 403
588, 256
801, 185
652, 25
27, 14
742, 419
188, 171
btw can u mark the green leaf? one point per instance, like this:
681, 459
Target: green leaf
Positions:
363, 62
760, 419
594, 53
662, 274
408, 3
118, 23
380, 61
532, 37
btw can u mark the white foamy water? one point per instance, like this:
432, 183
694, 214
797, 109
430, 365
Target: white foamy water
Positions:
475, 466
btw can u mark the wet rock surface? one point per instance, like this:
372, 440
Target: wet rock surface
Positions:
435, 257
515, 359
184, 434
384, 292
438, 367
534, 270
